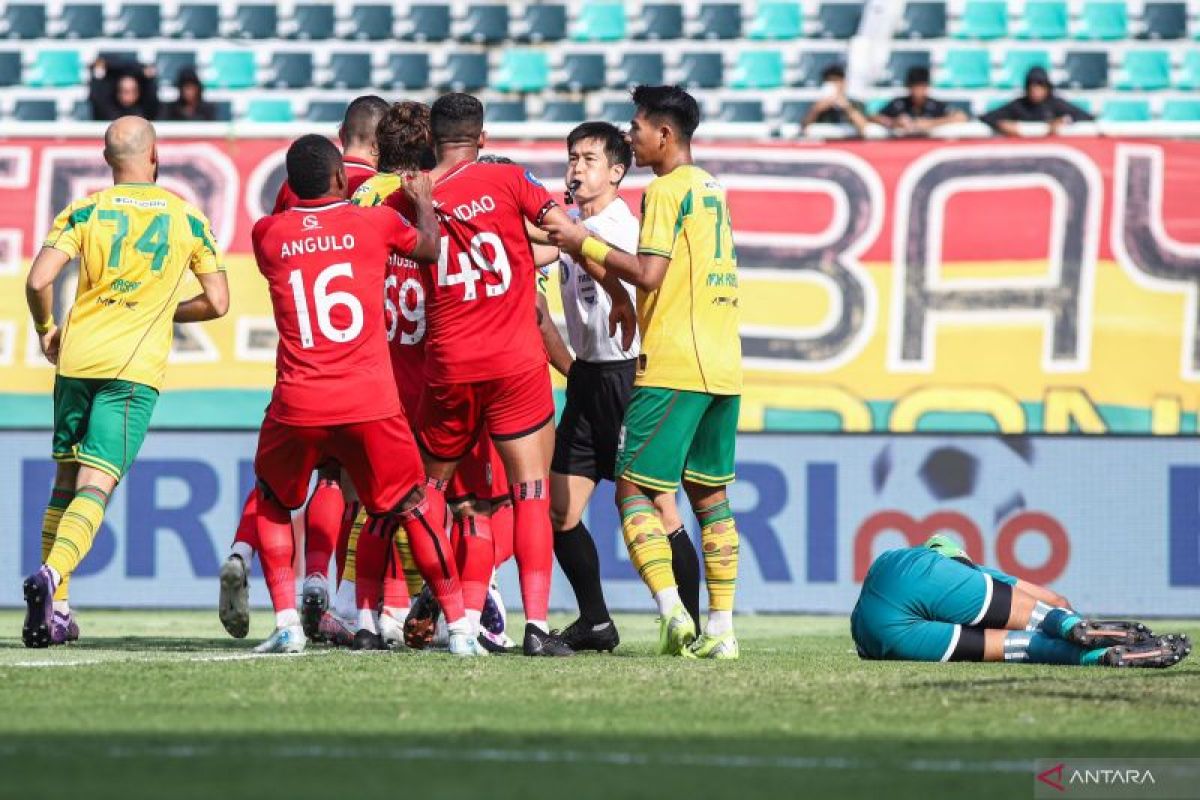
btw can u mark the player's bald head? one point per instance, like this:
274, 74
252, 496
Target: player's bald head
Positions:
129, 142
361, 120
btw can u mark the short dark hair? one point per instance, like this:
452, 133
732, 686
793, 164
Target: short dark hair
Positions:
362, 117
456, 117
917, 76
312, 161
616, 146
670, 103
403, 137
492, 158
833, 72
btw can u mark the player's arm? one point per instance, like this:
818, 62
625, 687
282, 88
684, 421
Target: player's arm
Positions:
211, 303
39, 296
418, 188
556, 349
1048, 596
645, 270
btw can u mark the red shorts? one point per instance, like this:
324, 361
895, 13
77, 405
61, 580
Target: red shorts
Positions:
480, 474
380, 457
454, 414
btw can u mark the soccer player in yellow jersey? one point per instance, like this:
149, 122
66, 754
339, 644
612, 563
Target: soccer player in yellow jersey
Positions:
682, 418
135, 243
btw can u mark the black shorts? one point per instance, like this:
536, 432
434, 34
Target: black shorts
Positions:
590, 429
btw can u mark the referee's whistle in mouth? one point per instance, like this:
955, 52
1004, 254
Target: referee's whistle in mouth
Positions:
569, 194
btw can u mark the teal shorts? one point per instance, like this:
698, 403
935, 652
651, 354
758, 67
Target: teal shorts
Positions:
914, 603
100, 422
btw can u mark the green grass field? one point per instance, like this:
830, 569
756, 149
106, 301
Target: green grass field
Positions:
163, 704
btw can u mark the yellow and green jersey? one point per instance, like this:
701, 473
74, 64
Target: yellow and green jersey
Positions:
375, 189
135, 243
689, 325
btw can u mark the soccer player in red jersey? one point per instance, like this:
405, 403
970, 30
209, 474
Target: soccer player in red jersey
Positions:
325, 261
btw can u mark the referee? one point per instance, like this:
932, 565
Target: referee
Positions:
599, 383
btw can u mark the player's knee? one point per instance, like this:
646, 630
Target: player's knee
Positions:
411, 501
563, 518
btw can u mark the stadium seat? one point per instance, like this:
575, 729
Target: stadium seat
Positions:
23, 21
1043, 19
544, 23
639, 67
269, 109
599, 22
582, 72
661, 21
371, 23
81, 21
1181, 110
1164, 21
838, 20
1104, 20
1083, 103
1145, 70
81, 111
408, 71
10, 68
1189, 75
139, 21
701, 70
965, 69
564, 111
812, 64
1017, 64
794, 111
1126, 111
741, 111
231, 69
325, 111
223, 109
721, 21
618, 112
504, 111
35, 110
485, 24
875, 105
757, 69
777, 21
349, 71
428, 23
899, 63
255, 22
55, 68
1087, 70
198, 21
291, 71
170, 62
961, 105
522, 71
923, 21
312, 22
983, 19
464, 72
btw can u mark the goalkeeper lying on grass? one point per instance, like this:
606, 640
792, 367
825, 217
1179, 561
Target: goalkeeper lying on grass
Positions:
932, 603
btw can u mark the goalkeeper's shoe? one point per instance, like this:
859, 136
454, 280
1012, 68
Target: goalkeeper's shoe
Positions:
718, 648
421, 621
39, 608
675, 631
284, 640
1091, 634
497, 643
465, 645
494, 617
392, 631
582, 635
63, 628
335, 631
539, 643
313, 605
1158, 652
366, 640
233, 606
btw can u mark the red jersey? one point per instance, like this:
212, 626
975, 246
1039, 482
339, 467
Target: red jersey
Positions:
357, 171
405, 295
482, 311
324, 261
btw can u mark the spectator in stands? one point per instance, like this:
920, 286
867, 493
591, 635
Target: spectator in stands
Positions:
121, 89
1038, 104
835, 107
916, 114
190, 106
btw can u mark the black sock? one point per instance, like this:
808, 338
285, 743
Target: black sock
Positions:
576, 554
686, 566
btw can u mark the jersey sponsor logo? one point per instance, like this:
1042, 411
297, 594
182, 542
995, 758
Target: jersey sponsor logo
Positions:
124, 286
310, 223
529, 176
468, 211
133, 201
317, 244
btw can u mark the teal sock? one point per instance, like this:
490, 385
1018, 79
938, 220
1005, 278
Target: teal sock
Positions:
1037, 648
1091, 658
1058, 623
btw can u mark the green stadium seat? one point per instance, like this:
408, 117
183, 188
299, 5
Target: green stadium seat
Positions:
777, 22
1145, 70
1083, 103
223, 109
992, 103
428, 23
1189, 75
899, 63
258, 21
408, 71
232, 69
544, 23
522, 71
312, 22
923, 21
198, 21
757, 69
661, 22
372, 22
564, 111
741, 111
637, 68
812, 63
1103, 20
965, 69
170, 62
702, 70
599, 22
465, 72
55, 68
1044, 19
23, 21
583, 72
1164, 21
793, 112
139, 21
874, 105
984, 20
325, 111
1181, 110
505, 111
81, 111
269, 109
838, 20
349, 71
81, 21
1017, 64
485, 24
35, 110
721, 21
291, 71
1087, 70
1126, 111
618, 112
10, 68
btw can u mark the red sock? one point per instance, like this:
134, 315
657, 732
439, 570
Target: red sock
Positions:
426, 527
395, 586
349, 514
533, 543
475, 559
247, 529
276, 551
502, 532
371, 558
322, 522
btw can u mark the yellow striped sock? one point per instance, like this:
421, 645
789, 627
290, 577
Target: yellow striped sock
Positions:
77, 530
719, 544
412, 576
350, 570
59, 500
649, 549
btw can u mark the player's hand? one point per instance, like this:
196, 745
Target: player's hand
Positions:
49, 342
624, 316
418, 187
567, 236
